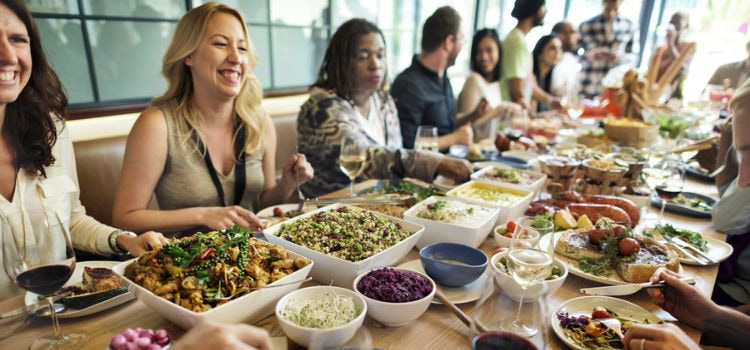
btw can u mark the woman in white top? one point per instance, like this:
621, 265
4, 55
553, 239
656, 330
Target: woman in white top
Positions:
483, 83
37, 164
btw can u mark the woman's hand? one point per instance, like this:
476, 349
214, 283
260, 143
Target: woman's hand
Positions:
657, 337
455, 169
297, 163
681, 300
208, 335
142, 243
219, 218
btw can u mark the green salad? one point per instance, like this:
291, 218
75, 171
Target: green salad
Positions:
668, 231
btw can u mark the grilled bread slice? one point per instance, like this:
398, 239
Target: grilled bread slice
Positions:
650, 257
99, 279
575, 245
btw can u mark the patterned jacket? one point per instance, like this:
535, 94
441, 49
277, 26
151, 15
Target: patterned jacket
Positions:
326, 118
621, 40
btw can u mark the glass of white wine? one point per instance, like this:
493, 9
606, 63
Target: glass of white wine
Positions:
527, 266
352, 159
574, 105
427, 138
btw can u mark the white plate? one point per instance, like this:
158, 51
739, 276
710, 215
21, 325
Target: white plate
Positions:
718, 250
572, 264
266, 214
525, 155
77, 278
584, 306
465, 294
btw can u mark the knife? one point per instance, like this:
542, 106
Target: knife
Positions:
627, 289
684, 252
684, 244
32, 307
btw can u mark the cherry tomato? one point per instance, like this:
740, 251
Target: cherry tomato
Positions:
596, 235
510, 226
600, 312
277, 212
619, 230
508, 234
628, 246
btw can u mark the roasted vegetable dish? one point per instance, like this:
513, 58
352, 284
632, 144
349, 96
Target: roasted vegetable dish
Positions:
195, 272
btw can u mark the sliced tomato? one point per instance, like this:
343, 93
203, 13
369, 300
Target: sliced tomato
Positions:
600, 312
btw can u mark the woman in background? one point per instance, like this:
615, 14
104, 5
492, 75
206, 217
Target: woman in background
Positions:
206, 147
37, 164
547, 53
484, 80
348, 100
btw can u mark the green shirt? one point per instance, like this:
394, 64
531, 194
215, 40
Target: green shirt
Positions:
517, 63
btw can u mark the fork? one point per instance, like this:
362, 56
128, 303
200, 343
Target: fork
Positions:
300, 196
613, 324
687, 245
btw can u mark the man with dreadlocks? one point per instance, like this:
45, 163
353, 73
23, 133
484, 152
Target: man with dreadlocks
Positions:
348, 100
423, 92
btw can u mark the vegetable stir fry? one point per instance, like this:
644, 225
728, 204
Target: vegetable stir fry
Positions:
194, 270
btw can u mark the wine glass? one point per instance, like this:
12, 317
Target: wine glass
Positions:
38, 256
672, 185
352, 159
573, 104
527, 266
543, 226
427, 138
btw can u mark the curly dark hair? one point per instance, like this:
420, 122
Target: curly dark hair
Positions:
478, 36
337, 70
29, 124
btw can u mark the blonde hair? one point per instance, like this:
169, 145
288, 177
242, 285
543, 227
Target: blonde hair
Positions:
178, 97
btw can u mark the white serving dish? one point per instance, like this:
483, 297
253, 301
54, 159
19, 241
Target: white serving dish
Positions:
248, 308
332, 270
502, 241
535, 186
325, 338
509, 285
508, 211
471, 234
396, 314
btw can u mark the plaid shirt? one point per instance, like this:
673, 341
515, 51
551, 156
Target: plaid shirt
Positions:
619, 36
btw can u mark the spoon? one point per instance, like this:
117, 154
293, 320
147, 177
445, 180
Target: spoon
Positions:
44, 310
248, 290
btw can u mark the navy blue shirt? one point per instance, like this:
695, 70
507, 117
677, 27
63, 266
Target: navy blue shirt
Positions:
423, 98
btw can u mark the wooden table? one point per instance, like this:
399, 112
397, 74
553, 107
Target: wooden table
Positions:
436, 329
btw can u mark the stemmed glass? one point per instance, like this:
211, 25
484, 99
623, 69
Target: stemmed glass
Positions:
352, 159
427, 138
672, 185
573, 104
527, 266
38, 256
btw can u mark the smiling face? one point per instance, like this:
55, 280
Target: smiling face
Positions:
369, 63
220, 62
15, 56
552, 52
487, 56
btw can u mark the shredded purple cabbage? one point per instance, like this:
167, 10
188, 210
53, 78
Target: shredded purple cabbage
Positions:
394, 286
572, 321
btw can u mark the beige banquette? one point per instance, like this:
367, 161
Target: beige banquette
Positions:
99, 145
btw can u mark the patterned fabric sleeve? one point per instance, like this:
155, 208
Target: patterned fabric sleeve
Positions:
326, 119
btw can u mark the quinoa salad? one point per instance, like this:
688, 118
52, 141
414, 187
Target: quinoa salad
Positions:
347, 233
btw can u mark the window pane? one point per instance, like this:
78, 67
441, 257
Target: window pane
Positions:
344, 10
148, 8
127, 58
297, 53
259, 38
255, 11
300, 13
400, 49
63, 44
396, 14
492, 14
52, 6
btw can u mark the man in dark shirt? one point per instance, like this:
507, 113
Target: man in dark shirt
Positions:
423, 92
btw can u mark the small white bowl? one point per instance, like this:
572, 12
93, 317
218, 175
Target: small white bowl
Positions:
397, 314
471, 234
331, 337
509, 285
503, 241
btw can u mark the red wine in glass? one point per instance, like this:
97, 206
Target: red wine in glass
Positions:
44, 280
667, 192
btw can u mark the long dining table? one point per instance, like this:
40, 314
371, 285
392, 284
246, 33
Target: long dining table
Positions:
437, 328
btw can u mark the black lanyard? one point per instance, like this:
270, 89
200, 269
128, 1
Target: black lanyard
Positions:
239, 167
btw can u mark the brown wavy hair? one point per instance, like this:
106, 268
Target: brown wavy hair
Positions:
30, 120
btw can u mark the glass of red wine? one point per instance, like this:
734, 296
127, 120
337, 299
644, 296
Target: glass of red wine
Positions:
38, 256
672, 185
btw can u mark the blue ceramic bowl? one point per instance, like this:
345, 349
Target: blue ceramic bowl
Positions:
453, 265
